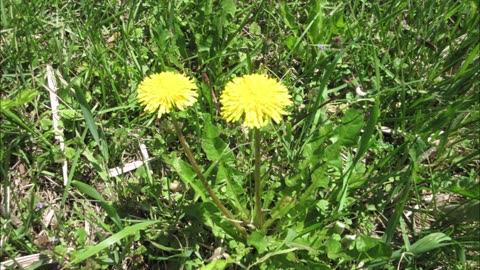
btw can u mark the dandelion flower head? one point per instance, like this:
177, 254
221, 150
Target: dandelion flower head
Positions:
165, 90
256, 98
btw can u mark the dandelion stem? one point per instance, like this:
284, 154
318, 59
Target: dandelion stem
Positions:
258, 184
202, 178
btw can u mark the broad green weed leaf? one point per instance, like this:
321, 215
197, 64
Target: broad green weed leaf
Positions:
381, 250
430, 242
259, 241
426, 244
340, 23
470, 190
21, 99
255, 29
363, 243
217, 150
281, 209
290, 42
216, 265
209, 214
332, 156
210, 131
349, 131
288, 17
7, 103
334, 248
370, 247
365, 142
235, 189
273, 253
26, 96
291, 234
315, 10
301, 243
187, 175
320, 178
357, 178
291, 181
46, 124
16, 120
228, 6
466, 212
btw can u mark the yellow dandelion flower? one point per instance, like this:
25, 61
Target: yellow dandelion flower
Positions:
256, 98
165, 90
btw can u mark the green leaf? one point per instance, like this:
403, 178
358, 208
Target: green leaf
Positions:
235, 189
228, 6
255, 29
371, 248
282, 207
188, 176
340, 22
316, 14
334, 248
426, 244
470, 190
291, 234
430, 242
332, 156
349, 131
46, 124
210, 131
365, 142
217, 264
16, 120
466, 212
320, 178
216, 149
274, 253
258, 240
110, 241
25, 96
293, 180
288, 18
363, 243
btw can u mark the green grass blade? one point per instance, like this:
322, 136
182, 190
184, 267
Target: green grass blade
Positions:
405, 183
93, 193
91, 251
12, 117
90, 122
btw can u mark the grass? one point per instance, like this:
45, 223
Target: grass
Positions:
386, 180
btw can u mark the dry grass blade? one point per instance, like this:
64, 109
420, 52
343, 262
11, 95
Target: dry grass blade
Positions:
26, 261
52, 89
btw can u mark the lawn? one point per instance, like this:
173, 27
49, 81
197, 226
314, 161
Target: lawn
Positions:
239, 134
